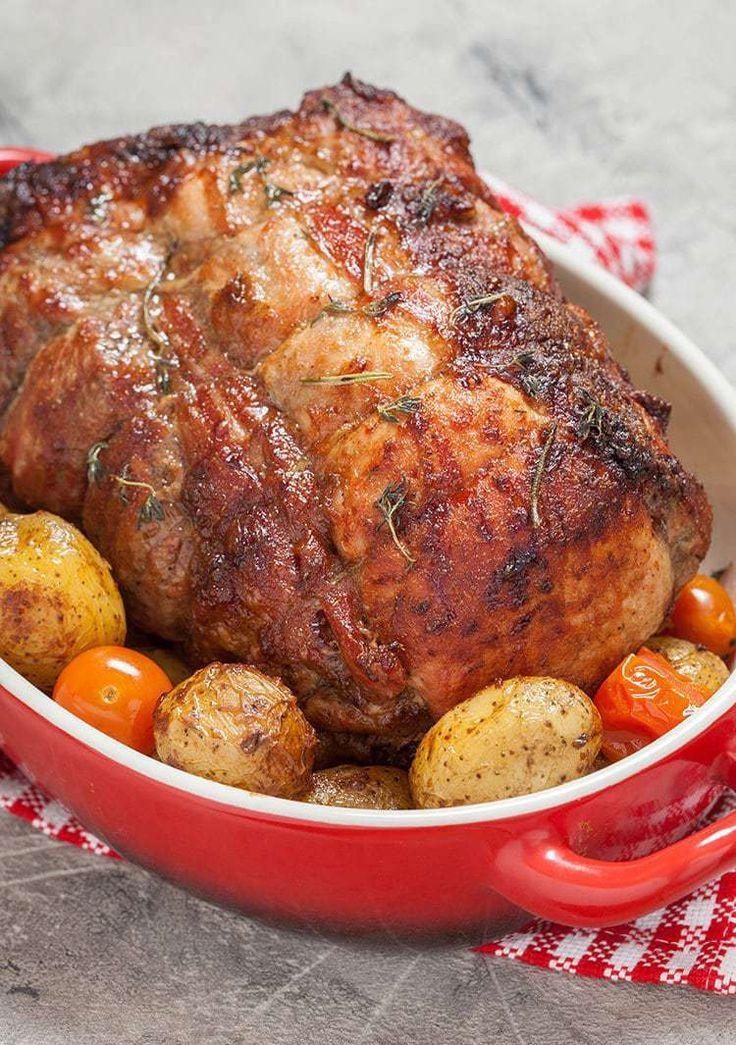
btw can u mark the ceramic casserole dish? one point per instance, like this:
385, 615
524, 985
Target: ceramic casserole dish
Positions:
595, 851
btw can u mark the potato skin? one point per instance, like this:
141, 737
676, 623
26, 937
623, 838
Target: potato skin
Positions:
360, 787
168, 661
695, 663
511, 738
57, 596
232, 723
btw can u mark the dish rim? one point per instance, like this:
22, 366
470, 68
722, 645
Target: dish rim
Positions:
718, 390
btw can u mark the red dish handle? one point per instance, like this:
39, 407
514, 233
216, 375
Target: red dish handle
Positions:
539, 872
10, 157
548, 879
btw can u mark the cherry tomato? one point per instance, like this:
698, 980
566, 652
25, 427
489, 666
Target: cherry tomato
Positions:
705, 614
642, 699
116, 690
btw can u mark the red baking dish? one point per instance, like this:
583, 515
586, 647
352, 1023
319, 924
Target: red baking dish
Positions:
10, 157
596, 851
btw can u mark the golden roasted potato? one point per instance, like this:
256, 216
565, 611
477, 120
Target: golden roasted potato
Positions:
57, 596
360, 787
230, 722
168, 661
695, 663
521, 735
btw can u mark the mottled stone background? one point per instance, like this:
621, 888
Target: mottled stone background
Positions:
571, 101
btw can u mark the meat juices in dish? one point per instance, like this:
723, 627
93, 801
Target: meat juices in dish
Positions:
324, 408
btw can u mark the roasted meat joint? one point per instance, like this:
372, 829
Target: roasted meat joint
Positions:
322, 406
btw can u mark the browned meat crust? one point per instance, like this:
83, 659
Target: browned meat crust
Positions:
488, 497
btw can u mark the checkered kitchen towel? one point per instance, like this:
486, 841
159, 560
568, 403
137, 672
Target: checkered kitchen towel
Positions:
616, 233
693, 941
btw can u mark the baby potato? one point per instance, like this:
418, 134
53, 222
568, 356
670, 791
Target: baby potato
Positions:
511, 738
57, 596
360, 787
231, 723
168, 661
695, 663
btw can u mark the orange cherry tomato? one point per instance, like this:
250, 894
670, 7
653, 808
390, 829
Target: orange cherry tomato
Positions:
642, 699
114, 689
704, 613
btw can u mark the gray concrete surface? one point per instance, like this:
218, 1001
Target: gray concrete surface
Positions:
569, 101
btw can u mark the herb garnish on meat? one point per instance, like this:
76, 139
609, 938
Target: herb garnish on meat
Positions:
389, 504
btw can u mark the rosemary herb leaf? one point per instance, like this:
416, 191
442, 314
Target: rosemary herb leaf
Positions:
235, 181
370, 249
530, 385
358, 378
158, 337
524, 359
389, 505
258, 165
333, 308
163, 374
95, 468
539, 475
405, 404
151, 511
470, 307
592, 420
383, 305
123, 480
274, 192
428, 202
364, 132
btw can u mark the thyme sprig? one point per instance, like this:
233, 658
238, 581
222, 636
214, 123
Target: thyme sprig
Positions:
524, 359
356, 378
530, 384
429, 200
364, 132
539, 470
389, 504
274, 192
151, 510
368, 258
258, 165
592, 420
235, 181
335, 307
473, 305
405, 404
96, 470
159, 338
163, 368
162, 363
383, 305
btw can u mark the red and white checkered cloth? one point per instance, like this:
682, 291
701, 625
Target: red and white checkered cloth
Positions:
693, 941
615, 233
690, 942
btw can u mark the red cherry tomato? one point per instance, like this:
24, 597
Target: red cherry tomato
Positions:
114, 689
705, 614
642, 699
